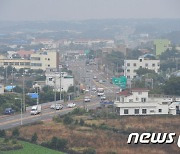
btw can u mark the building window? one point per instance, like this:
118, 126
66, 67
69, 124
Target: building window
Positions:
21, 63
146, 65
48, 65
139, 93
158, 64
153, 65
137, 99
128, 70
130, 100
160, 110
136, 111
140, 60
151, 111
5, 63
126, 111
16, 63
50, 79
134, 64
140, 67
128, 64
143, 99
48, 58
144, 111
35, 58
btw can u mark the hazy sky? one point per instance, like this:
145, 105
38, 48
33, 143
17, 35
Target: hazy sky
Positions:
87, 9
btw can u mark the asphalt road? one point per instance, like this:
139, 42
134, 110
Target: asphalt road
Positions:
83, 74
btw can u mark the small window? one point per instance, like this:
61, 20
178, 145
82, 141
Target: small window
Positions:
160, 110
128, 70
144, 111
126, 111
146, 65
134, 64
153, 65
128, 64
48, 58
151, 111
137, 99
136, 111
140, 60
143, 99
130, 100
50, 79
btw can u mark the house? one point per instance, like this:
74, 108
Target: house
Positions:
137, 102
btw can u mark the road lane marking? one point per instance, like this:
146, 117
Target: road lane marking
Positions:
41, 115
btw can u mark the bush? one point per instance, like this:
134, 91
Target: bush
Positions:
78, 111
89, 151
67, 120
34, 138
81, 122
2, 133
56, 144
15, 132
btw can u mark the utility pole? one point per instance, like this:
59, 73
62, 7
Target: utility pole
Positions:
37, 97
24, 92
60, 86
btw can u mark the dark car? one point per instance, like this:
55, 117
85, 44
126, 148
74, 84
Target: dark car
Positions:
9, 111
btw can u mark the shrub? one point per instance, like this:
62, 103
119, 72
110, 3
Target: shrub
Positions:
56, 143
15, 132
2, 133
78, 111
81, 122
67, 120
89, 151
34, 138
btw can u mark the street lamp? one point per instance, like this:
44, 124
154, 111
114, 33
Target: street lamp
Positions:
21, 107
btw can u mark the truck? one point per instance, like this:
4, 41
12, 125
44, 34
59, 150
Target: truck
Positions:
36, 109
100, 91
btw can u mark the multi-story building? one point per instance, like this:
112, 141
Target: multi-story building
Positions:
44, 59
130, 66
161, 45
39, 60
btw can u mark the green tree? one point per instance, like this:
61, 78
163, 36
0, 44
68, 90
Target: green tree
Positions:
34, 138
67, 120
172, 86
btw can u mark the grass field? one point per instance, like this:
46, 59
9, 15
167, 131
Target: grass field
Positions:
31, 149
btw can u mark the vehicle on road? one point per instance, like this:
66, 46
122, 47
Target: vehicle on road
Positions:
100, 93
59, 106
103, 97
56, 106
36, 109
95, 77
71, 105
87, 99
100, 81
94, 89
9, 111
87, 90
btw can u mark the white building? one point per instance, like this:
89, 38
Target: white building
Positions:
130, 66
53, 79
137, 102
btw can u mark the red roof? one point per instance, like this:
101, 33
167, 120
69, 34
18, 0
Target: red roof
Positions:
140, 89
24, 53
125, 93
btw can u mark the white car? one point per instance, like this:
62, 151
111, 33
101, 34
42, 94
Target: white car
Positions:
71, 105
87, 90
95, 77
100, 94
56, 106
103, 97
59, 106
87, 99
94, 89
